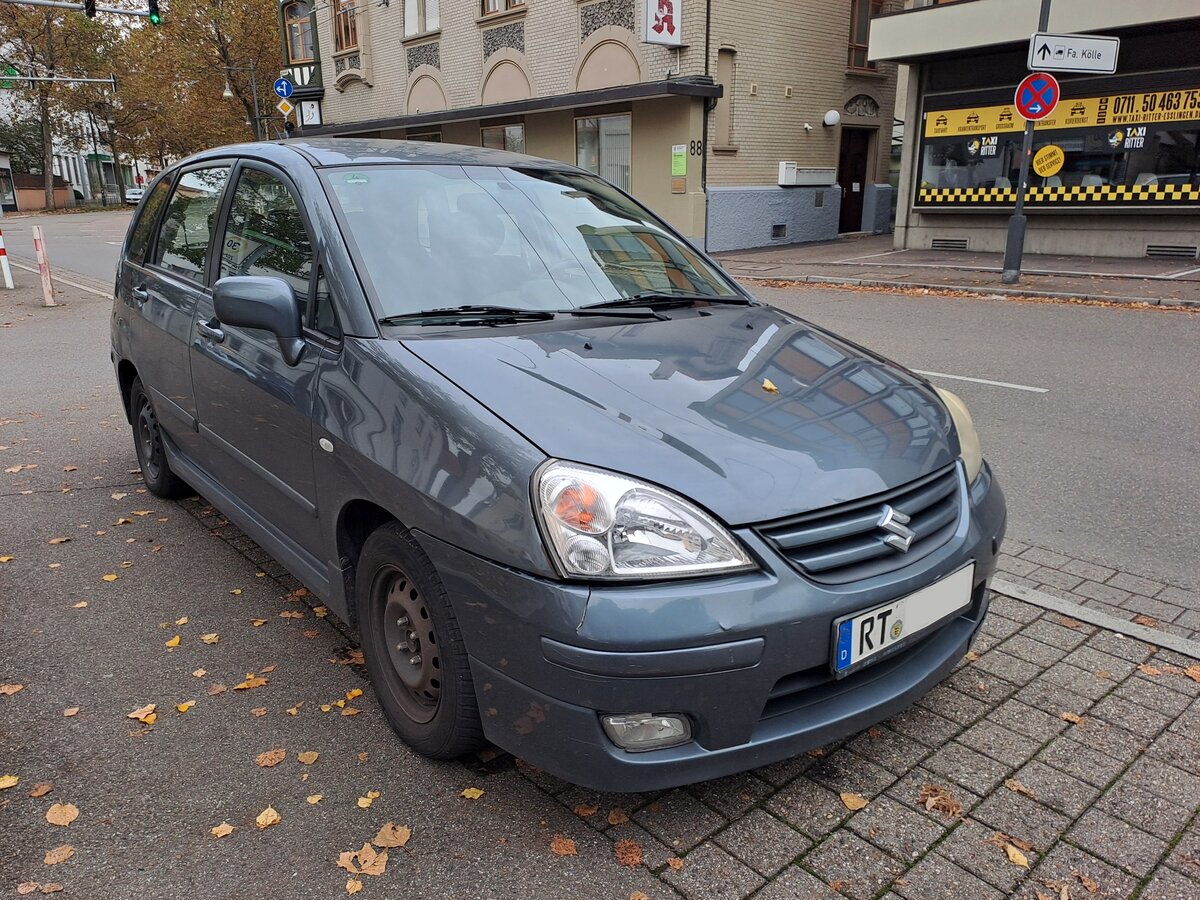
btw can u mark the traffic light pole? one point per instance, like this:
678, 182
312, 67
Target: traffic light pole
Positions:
62, 4
111, 80
1014, 249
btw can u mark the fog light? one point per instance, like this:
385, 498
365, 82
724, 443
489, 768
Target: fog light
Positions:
647, 731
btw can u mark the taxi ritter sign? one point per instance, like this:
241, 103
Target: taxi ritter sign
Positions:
1085, 53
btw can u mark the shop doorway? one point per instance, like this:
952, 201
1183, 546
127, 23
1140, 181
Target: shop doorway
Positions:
854, 160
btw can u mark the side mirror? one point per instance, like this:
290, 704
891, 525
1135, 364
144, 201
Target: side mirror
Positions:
259, 301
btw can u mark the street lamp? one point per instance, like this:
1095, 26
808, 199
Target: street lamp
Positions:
228, 92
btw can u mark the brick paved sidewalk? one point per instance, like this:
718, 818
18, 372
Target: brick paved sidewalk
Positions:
1072, 747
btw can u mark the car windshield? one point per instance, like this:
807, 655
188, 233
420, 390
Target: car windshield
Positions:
433, 237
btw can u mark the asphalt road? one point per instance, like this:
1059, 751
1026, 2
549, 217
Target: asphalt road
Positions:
86, 242
1104, 466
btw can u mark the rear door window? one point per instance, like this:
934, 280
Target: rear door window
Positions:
143, 231
188, 225
266, 234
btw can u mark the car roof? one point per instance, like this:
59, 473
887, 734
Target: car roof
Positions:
339, 151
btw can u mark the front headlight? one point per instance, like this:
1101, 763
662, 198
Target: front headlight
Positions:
968, 437
600, 525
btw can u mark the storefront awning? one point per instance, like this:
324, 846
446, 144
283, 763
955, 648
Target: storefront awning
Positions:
643, 90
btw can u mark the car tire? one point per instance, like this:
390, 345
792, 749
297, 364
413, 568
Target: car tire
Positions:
413, 647
148, 443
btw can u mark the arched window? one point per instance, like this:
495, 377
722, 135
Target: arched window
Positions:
297, 18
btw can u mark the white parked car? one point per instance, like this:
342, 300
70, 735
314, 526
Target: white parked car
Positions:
133, 195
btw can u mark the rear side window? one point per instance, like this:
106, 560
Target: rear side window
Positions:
139, 241
266, 234
188, 225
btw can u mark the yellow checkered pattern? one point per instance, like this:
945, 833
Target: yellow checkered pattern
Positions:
1127, 193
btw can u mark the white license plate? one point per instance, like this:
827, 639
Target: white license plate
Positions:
858, 638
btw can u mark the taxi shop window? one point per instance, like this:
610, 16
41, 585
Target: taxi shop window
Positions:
989, 161
266, 234
187, 227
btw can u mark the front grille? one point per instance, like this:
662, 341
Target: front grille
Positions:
845, 543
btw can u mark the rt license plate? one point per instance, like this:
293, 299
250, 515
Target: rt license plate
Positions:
858, 638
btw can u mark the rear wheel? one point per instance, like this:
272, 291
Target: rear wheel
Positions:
148, 442
413, 647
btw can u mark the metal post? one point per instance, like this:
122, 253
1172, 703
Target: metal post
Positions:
4, 269
254, 98
1014, 249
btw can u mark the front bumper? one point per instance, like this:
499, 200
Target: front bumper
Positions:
745, 657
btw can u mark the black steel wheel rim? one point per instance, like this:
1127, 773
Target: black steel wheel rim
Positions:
411, 642
149, 443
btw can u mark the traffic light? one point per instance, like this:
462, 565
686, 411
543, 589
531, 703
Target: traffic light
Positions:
155, 16
89, 8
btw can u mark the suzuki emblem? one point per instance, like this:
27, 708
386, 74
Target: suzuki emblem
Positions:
900, 536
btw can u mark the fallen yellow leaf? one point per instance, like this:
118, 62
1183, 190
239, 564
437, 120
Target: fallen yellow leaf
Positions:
111, 577
9, 689
124, 520
252, 681
315, 798
7, 559
320, 612
142, 713
184, 706
1073, 718
586, 809
346, 860
221, 830
118, 495
617, 816
339, 703
1016, 857
353, 886
675, 863
628, 853
472, 793
269, 758
70, 712
1147, 669
353, 693
371, 862
27, 887
267, 818
854, 801
292, 614
308, 757
200, 673
371, 797
294, 710
210, 638
215, 689
350, 711
62, 814
59, 540
325, 707
142, 512
82, 604
8, 781
392, 835
41, 789
51, 887
258, 622
236, 592
258, 712
173, 642
59, 854
1018, 787
182, 620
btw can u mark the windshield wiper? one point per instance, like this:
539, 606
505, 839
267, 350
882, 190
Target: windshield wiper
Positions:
467, 315
665, 300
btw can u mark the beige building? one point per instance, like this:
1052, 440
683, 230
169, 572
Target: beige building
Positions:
1116, 164
690, 105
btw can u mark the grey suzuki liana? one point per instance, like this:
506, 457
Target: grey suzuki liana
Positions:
582, 495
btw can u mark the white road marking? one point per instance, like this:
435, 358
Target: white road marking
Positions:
74, 284
870, 256
1003, 384
1184, 272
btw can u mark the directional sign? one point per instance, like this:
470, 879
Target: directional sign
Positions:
1036, 96
1074, 53
283, 88
285, 107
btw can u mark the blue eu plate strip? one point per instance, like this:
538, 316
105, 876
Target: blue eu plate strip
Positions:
845, 633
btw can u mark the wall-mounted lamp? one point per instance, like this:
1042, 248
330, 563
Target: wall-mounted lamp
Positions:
832, 118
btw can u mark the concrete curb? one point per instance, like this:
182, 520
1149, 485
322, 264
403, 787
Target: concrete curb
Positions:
1095, 617
972, 289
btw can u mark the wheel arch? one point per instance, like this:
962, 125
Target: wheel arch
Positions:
357, 520
127, 373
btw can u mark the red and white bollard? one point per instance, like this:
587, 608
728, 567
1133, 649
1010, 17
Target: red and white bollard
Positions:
5, 270
39, 247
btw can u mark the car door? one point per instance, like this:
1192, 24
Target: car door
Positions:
255, 409
163, 285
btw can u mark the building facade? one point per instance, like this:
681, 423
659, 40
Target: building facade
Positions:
690, 105
1116, 167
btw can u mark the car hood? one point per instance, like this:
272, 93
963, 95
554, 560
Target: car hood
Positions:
748, 411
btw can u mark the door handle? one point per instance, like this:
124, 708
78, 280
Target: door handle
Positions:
210, 330
140, 295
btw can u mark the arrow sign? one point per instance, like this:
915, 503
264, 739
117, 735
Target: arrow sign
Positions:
1036, 96
1086, 53
283, 87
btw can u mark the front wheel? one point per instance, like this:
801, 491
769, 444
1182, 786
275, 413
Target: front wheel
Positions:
148, 442
413, 648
